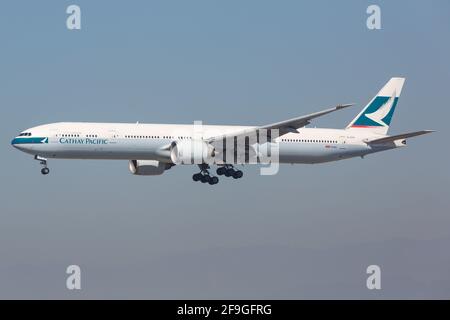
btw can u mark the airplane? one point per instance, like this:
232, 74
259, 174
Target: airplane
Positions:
151, 149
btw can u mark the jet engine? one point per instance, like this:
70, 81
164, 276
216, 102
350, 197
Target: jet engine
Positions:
191, 151
148, 167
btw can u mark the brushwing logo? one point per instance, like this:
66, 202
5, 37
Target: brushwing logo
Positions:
383, 111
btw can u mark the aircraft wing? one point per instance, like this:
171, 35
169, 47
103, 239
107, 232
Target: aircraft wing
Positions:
285, 126
398, 137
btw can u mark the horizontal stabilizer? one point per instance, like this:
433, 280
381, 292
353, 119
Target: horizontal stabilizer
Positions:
398, 137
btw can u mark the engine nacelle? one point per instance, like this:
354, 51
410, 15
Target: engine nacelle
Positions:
191, 152
148, 167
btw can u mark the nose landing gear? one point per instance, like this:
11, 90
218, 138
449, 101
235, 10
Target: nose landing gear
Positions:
43, 161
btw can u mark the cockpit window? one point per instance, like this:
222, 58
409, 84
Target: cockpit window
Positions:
27, 134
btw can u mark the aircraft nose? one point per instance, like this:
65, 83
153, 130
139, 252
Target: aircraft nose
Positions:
15, 143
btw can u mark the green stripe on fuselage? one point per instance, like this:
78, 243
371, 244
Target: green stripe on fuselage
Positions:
30, 140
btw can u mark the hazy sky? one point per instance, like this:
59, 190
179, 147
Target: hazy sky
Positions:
308, 232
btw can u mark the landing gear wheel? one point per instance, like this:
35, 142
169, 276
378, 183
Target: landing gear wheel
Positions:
220, 171
45, 171
214, 180
197, 176
205, 179
229, 172
238, 174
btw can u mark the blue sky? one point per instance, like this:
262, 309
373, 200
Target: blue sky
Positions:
308, 232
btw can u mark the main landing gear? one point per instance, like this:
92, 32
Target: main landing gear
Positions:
228, 171
204, 175
225, 170
45, 170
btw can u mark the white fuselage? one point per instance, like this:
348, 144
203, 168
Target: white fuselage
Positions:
73, 140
